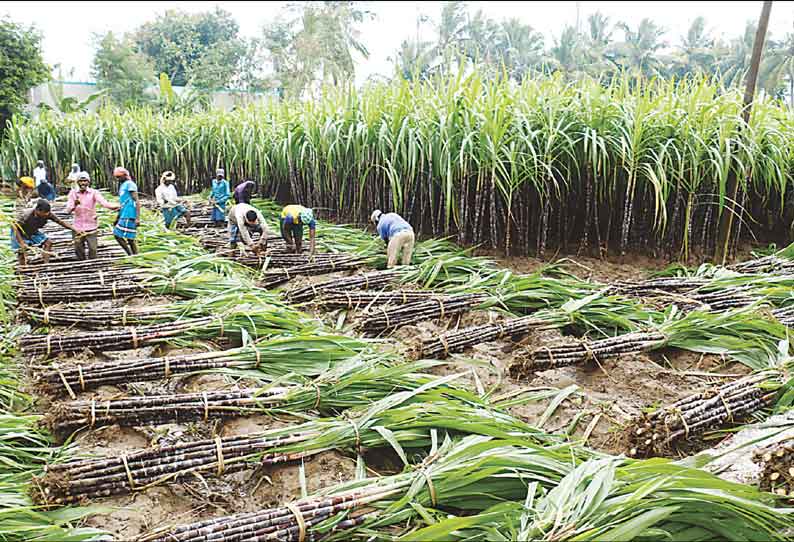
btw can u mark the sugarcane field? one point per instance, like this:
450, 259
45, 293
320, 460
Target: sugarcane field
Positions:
515, 291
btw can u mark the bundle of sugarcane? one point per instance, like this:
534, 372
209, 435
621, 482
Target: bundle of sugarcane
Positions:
784, 315
63, 253
719, 300
270, 279
777, 463
282, 259
408, 417
388, 318
87, 317
341, 299
375, 279
54, 268
351, 385
675, 285
563, 355
669, 428
772, 264
51, 345
458, 340
308, 356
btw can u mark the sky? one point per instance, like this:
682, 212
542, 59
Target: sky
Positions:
68, 26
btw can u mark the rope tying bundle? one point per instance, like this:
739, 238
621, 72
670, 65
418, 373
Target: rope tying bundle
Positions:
301, 522
219, 451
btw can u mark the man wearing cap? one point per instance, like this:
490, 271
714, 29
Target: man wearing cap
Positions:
219, 196
82, 202
243, 221
128, 220
168, 200
293, 218
398, 233
26, 231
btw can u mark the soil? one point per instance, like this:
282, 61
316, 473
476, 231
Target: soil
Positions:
607, 395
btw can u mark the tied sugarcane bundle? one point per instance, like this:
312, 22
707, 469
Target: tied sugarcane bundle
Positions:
77, 289
306, 356
272, 278
70, 268
673, 427
390, 318
772, 264
51, 345
784, 315
777, 468
283, 259
91, 318
361, 281
563, 355
342, 299
457, 341
65, 254
407, 419
350, 385
668, 285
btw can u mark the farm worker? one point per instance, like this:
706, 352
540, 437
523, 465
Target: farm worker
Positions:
168, 200
26, 230
293, 218
39, 173
243, 221
129, 218
82, 202
398, 233
244, 191
220, 195
73, 175
45, 190
25, 187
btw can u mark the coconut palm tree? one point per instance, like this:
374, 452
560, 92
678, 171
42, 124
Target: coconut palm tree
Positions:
639, 50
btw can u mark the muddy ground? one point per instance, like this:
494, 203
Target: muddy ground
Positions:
608, 394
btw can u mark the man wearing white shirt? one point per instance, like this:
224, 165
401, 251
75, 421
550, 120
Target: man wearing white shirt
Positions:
39, 173
243, 221
168, 200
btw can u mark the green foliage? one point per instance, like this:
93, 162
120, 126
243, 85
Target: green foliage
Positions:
21, 67
123, 72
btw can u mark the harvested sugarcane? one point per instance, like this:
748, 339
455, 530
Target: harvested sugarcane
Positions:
673, 428
273, 278
563, 355
772, 265
308, 356
674, 285
340, 299
457, 341
69, 267
365, 281
349, 385
408, 419
388, 318
777, 468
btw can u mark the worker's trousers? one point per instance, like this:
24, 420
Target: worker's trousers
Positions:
401, 241
89, 239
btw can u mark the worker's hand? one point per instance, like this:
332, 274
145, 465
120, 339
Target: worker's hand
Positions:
137, 222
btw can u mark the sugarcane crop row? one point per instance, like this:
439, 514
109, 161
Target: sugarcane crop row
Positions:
777, 468
273, 278
51, 345
457, 341
361, 281
549, 357
390, 318
676, 426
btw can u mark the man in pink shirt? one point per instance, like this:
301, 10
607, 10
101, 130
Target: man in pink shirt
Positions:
83, 201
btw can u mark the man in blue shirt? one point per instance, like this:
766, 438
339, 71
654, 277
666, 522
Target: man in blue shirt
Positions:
129, 218
399, 235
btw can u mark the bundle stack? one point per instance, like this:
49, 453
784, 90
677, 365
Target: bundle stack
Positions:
81, 286
59, 268
770, 265
64, 419
80, 480
388, 318
777, 463
51, 345
282, 259
785, 315
563, 355
365, 281
343, 299
457, 341
666, 285
64, 252
270, 279
671, 428
92, 318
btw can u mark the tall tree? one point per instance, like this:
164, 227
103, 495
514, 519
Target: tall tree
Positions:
182, 44
697, 53
121, 70
566, 54
778, 68
640, 47
21, 67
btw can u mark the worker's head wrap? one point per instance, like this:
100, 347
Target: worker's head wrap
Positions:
75, 168
306, 216
40, 163
167, 176
83, 176
30, 182
120, 172
375, 216
220, 171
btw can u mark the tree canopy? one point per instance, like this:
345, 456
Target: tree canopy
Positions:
21, 66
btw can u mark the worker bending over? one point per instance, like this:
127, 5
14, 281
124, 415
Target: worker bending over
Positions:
245, 220
398, 233
293, 218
